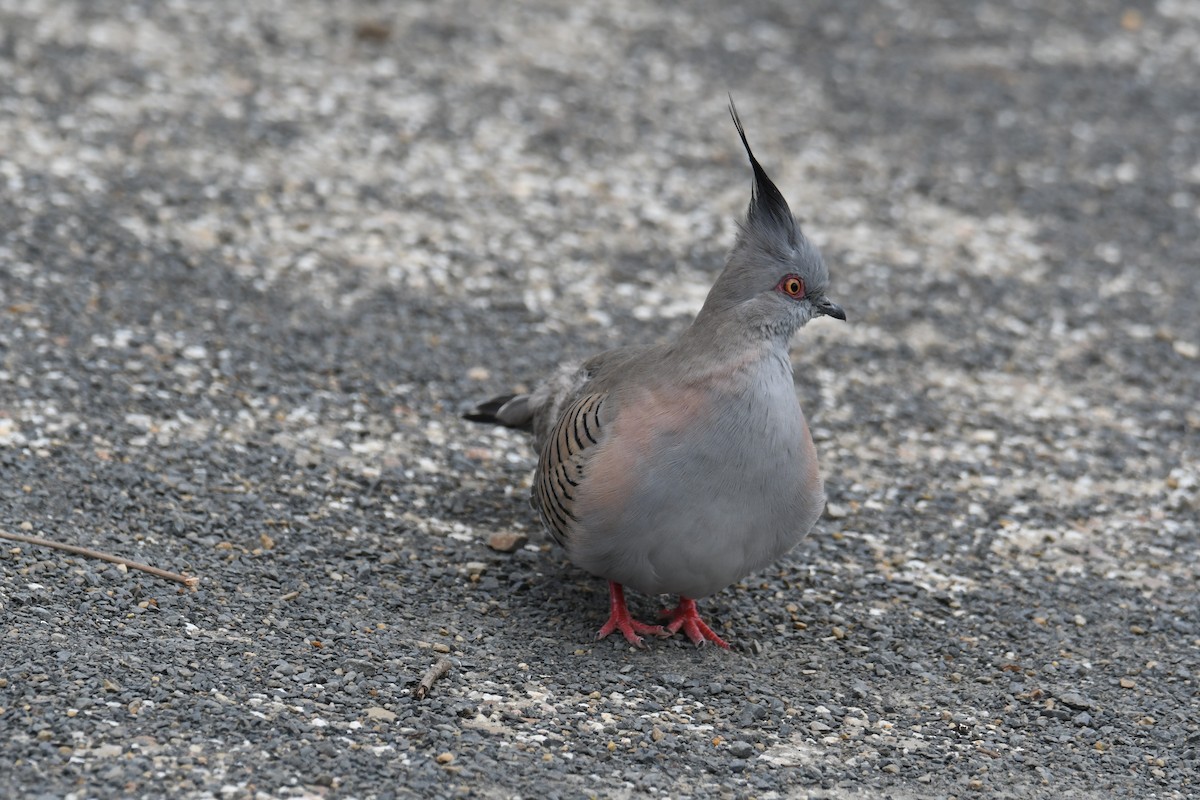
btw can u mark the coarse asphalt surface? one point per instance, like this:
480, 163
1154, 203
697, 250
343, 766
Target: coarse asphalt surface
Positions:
257, 257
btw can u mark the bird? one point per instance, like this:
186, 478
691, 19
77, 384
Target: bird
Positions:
679, 468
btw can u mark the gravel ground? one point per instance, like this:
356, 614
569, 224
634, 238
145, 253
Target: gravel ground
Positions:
256, 257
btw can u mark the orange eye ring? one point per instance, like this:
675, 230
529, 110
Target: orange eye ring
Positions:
792, 286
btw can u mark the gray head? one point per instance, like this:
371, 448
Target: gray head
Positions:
774, 277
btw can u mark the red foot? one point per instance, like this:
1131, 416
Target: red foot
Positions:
685, 616
619, 619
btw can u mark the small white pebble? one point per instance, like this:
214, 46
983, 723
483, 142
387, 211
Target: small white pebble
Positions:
1186, 349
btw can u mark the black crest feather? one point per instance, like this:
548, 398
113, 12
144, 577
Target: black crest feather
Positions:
768, 209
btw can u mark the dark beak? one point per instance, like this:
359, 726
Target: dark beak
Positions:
830, 309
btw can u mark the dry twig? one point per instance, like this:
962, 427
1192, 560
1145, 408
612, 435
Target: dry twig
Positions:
431, 676
187, 580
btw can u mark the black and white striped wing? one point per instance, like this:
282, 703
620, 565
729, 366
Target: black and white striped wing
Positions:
562, 462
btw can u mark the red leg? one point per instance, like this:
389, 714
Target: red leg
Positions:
619, 619
685, 616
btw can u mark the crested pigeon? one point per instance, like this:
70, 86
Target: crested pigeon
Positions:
682, 467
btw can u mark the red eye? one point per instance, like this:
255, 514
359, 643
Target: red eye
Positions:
791, 286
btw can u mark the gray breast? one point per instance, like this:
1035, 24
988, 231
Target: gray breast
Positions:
714, 500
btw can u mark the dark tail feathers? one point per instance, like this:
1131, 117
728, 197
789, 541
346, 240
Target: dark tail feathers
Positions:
509, 410
486, 412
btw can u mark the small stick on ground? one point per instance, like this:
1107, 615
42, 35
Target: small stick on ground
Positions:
431, 676
187, 580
